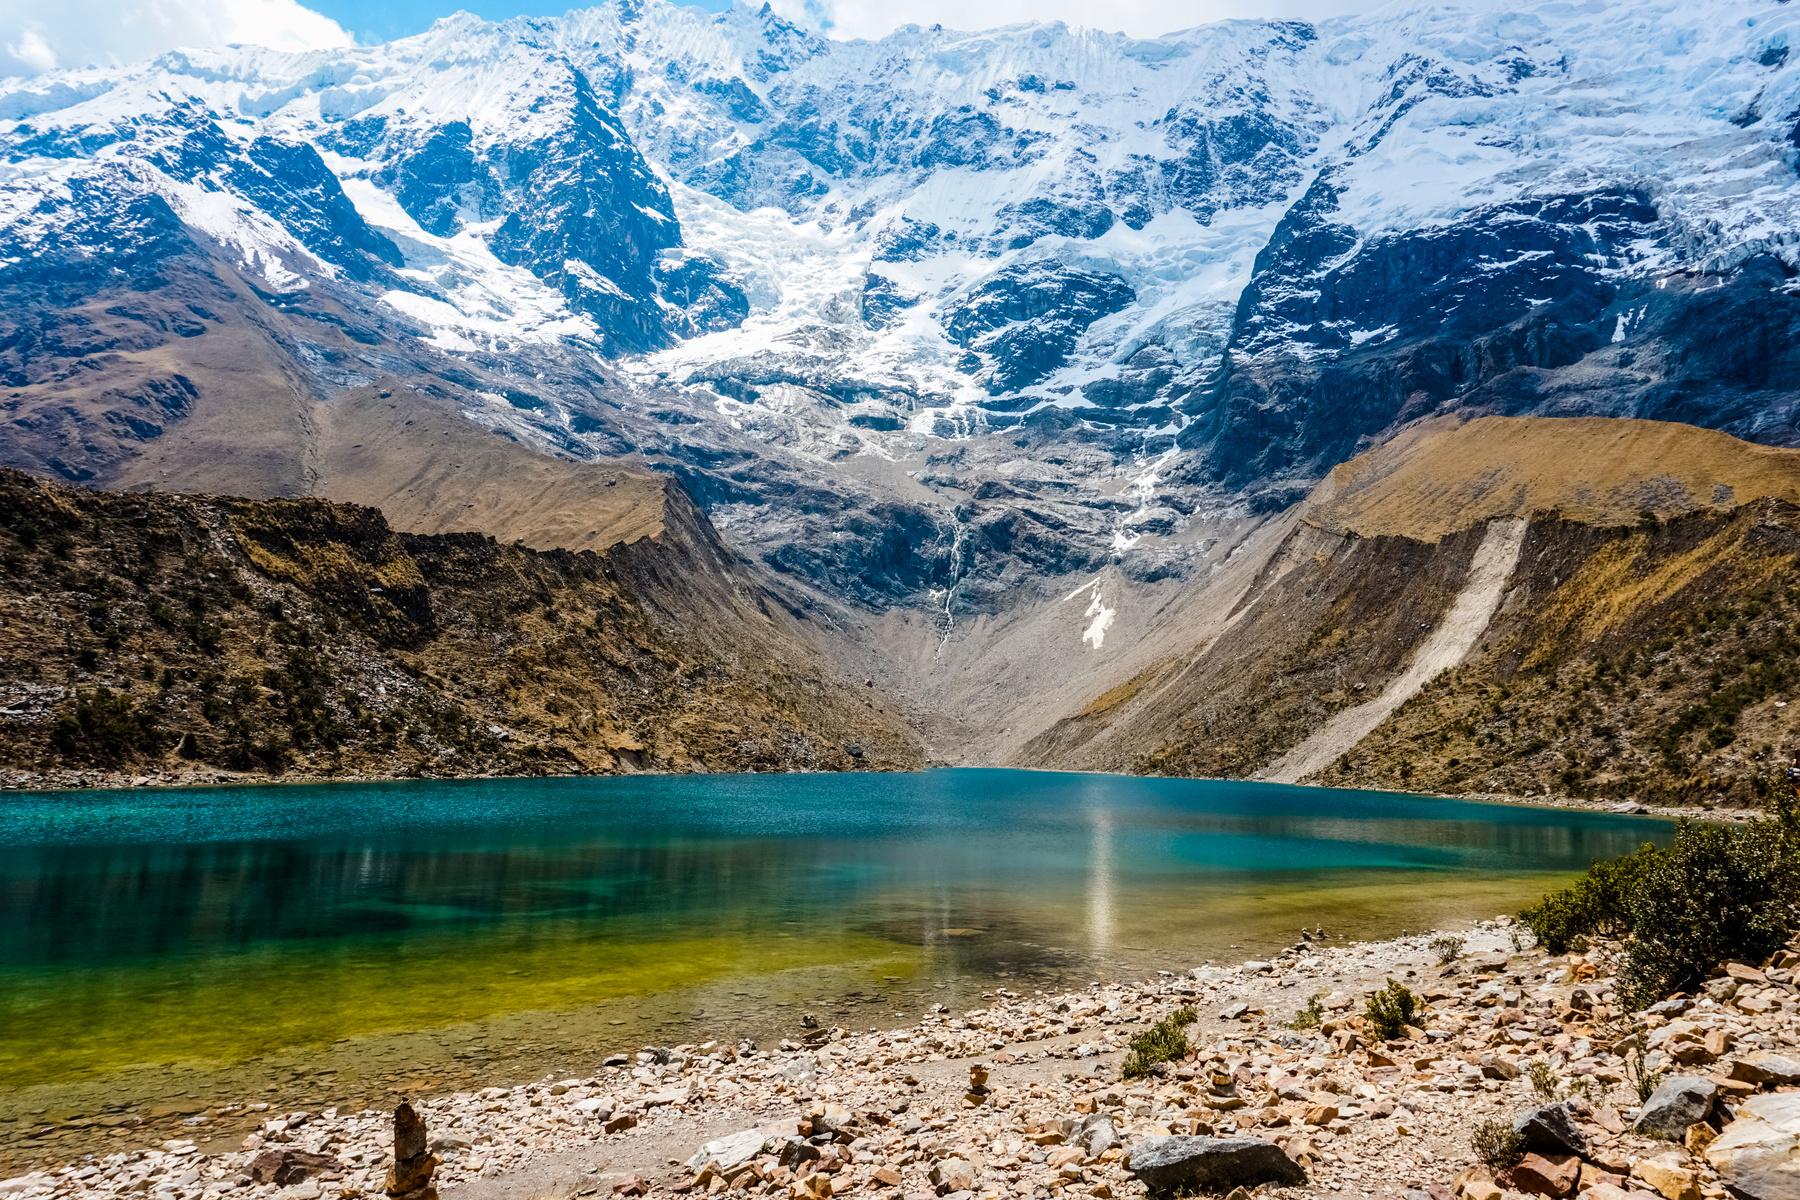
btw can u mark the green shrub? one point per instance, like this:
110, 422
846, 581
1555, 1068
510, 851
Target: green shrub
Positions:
1719, 894
106, 726
1597, 903
1390, 1011
1310, 1017
1497, 1146
1643, 1078
1543, 1080
1447, 949
1163, 1042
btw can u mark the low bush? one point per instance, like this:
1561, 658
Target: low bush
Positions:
1310, 1017
1447, 949
1497, 1146
1720, 894
1597, 903
1390, 1011
1165, 1041
106, 726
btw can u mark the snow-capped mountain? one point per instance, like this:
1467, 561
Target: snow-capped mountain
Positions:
937, 315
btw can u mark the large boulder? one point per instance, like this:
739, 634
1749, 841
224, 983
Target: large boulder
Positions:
729, 1152
1204, 1164
1758, 1154
1678, 1103
1550, 1130
1765, 1068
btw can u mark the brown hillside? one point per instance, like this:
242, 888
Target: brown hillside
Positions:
194, 637
433, 472
1443, 476
1629, 655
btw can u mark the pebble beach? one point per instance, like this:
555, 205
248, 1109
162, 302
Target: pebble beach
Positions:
1024, 1097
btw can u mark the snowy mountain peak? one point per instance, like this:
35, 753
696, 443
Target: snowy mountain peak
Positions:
992, 279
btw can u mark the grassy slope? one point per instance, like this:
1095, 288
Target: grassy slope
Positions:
1653, 671
1646, 638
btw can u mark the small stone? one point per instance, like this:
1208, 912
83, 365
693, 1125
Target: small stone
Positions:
1592, 1176
729, 1152
285, 1168
1169, 1164
1542, 1176
1097, 1134
1766, 1068
886, 1177
950, 1175
1668, 1175
1550, 1130
1606, 1191
1499, 1068
1678, 1103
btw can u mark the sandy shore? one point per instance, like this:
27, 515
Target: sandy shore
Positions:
888, 1113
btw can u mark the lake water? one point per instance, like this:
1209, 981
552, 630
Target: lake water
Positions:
163, 951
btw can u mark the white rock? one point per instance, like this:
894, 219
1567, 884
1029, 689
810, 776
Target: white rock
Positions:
729, 1152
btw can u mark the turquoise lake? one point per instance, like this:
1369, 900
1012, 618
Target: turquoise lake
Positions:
346, 942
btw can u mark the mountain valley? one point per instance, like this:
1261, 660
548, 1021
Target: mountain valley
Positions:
1037, 396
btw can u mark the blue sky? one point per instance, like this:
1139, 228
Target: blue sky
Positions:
373, 22
38, 35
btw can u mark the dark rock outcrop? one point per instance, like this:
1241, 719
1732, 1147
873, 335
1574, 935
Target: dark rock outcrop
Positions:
1184, 1165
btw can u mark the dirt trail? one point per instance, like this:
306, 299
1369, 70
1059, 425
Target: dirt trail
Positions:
1447, 645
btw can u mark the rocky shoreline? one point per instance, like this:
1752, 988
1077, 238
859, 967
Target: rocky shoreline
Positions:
1023, 1098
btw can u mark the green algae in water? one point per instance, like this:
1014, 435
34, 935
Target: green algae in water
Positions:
81, 1024
221, 924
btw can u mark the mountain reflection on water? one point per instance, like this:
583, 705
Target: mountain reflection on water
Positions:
92, 878
222, 924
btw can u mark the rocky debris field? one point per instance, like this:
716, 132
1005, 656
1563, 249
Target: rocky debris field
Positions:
1284, 1089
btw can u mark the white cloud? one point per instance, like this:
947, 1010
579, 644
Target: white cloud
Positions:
39, 35
1139, 18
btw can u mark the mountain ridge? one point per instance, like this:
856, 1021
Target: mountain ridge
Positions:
1540, 693
1028, 262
